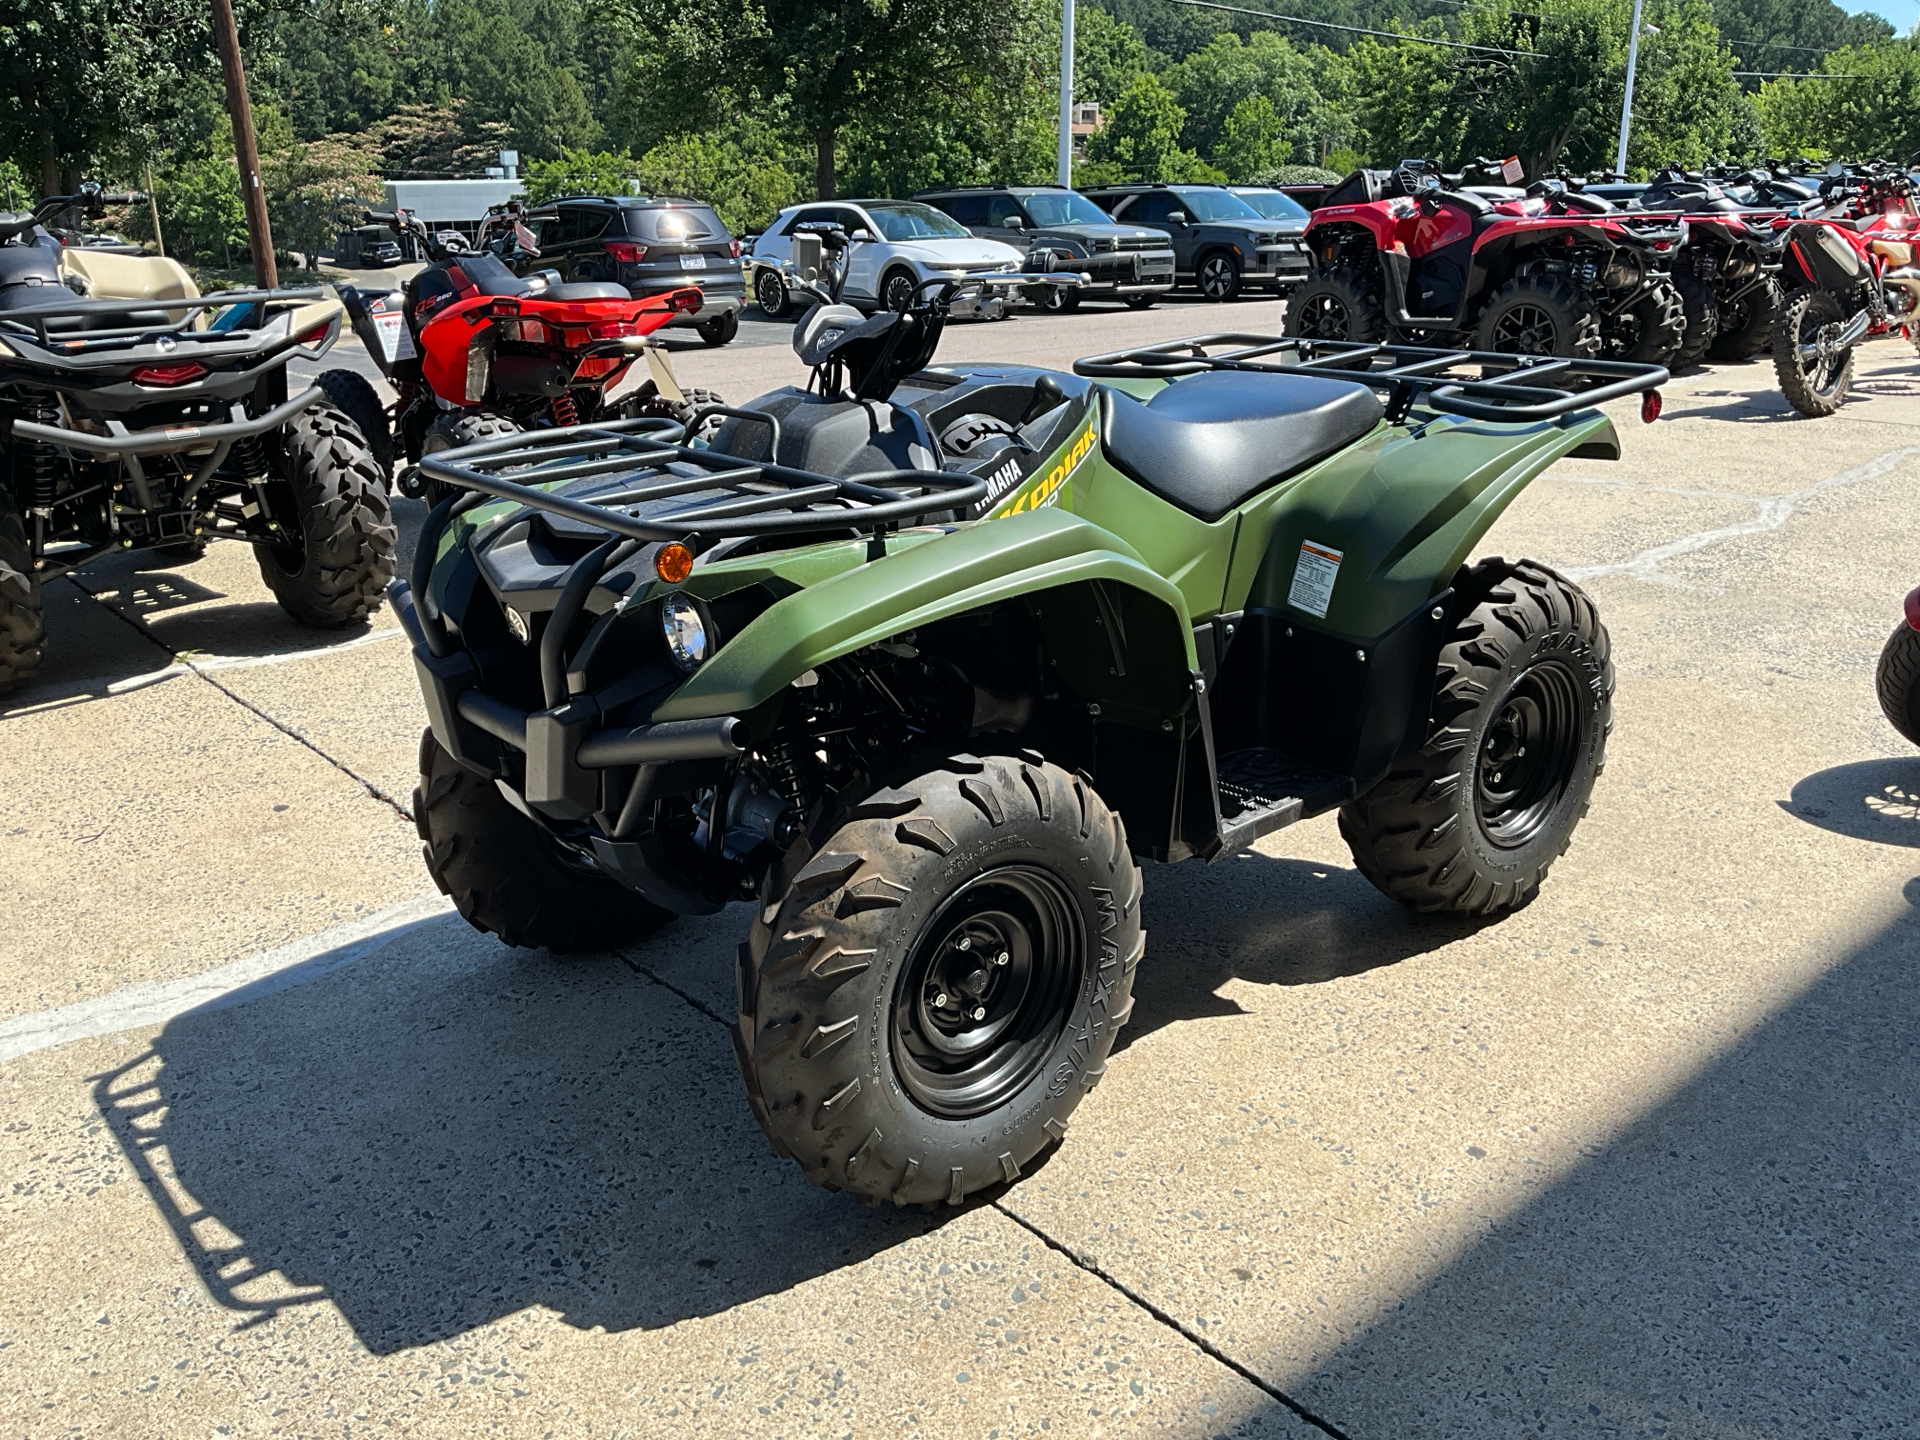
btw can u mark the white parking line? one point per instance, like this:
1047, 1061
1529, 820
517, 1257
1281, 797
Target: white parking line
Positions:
1773, 512
106, 685
155, 1002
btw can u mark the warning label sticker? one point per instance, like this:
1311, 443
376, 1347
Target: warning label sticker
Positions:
395, 342
1313, 576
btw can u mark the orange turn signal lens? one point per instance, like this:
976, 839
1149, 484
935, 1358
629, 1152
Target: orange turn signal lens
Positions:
674, 563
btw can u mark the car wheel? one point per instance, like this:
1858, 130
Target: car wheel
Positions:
770, 294
1219, 276
721, 331
897, 290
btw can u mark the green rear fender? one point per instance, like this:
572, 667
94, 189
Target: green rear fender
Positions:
1391, 521
1083, 583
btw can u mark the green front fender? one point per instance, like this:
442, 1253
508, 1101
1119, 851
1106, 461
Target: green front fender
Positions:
1403, 510
975, 567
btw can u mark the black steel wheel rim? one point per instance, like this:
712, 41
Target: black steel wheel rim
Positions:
1525, 330
1216, 276
1528, 754
985, 994
1324, 318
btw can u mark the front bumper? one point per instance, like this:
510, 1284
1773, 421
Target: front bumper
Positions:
1124, 272
1283, 263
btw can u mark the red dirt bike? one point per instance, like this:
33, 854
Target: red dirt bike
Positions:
1397, 255
1897, 677
476, 351
1850, 275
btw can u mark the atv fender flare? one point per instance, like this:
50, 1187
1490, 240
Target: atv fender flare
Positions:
1087, 582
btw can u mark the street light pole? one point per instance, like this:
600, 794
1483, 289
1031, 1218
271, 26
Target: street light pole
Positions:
1626, 106
259, 236
1064, 170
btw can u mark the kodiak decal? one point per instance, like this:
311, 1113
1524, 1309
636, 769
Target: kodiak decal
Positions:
1048, 490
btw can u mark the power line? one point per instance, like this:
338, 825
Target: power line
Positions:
1796, 75
1356, 29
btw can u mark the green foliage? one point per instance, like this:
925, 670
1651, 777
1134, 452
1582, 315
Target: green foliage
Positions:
1107, 54
317, 188
742, 173
1250, 141
1873, 117
579, 172
1299, 175
1141, 138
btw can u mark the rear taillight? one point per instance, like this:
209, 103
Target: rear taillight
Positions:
690, 299
184, 373
733, 248
611, 330
625, 251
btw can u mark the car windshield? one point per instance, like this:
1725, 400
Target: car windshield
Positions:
1272, 205
904, 220
676, 222
1063, 207
1216, 205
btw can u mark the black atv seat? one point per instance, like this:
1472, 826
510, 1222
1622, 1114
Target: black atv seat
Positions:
1209, 442
586, 290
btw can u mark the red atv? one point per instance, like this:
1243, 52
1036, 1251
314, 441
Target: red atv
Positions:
1898, 675
476, 351
1849, 275
1399, 256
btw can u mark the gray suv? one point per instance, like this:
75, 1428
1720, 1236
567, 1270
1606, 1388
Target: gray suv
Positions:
1061, 228
1220, 242
650, 244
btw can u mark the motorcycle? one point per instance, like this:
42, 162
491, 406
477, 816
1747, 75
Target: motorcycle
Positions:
1398, 255
136, 413
1850, 272
475, 351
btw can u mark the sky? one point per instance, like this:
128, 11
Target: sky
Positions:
1901, 14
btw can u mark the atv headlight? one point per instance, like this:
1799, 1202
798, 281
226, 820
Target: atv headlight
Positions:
688, 631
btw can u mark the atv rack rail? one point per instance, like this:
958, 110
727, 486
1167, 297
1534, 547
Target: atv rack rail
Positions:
136, 332
1514, 388
761, 498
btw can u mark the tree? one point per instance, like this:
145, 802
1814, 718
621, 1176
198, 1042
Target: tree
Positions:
317, 188
1107, 54
1141, 137
1852, 119
742, 173
1250, 142
579, 172
828, 66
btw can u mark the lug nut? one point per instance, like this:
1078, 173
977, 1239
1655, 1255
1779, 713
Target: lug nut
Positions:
1002, 958
979, 1012
940, 1001
966, 943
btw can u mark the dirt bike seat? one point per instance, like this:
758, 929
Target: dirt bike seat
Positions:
586, 290
1210, 442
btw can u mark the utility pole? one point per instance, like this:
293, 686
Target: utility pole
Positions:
1065, 169
259, 235
153, 208
1626, 107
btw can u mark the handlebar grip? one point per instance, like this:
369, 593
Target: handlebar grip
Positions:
123, 197
381, 217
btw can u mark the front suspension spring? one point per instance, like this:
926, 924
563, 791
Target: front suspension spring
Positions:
36, 464
564, 410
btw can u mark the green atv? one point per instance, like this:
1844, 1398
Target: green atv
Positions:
918, 661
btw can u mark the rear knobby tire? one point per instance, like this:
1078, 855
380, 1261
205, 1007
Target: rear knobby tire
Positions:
1465, 824
1341, 303
351, 393
450, 432
857, 941
23, 629
1539, 314
1746, 324
1652, 330
1898, 681
1700, 314
334, 498
507, 876
1819, 388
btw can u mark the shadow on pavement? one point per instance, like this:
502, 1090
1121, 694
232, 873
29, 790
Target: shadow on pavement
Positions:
1870, 800
451, 1131
1269, 922
1738, 1262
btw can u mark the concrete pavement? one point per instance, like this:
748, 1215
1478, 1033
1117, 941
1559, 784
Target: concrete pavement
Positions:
1638, 1160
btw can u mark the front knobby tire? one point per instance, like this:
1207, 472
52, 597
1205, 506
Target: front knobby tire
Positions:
1652, 330
507, 876
23, 630
1539, 314
1700, 314
1746, 324
1337, 304
1816, 386
1523, 703
883, 1054
1898, 681
333, 501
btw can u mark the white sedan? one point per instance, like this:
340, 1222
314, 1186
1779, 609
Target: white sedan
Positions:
898, 244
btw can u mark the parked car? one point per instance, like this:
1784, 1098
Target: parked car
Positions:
906, 242
1220, 242
653, 245
1069, 232
379, 254
1277, 205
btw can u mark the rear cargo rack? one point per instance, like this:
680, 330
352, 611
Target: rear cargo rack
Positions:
1513, 388
644, 464
135, 331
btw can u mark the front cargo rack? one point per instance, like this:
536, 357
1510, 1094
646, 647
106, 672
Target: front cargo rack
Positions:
1514, 388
